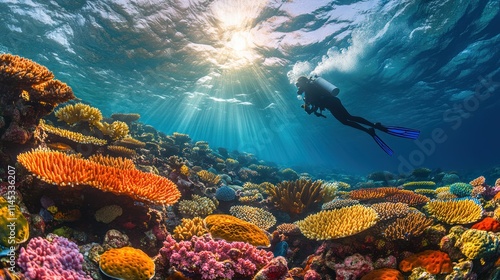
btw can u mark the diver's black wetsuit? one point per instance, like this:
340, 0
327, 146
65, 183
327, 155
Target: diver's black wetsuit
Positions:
316, 99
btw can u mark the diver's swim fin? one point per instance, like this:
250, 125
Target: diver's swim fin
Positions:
399, 131
383, 145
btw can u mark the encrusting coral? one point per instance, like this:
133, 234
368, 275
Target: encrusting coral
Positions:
258, 216
338, 223
296, 196
64, 171
127, 263
231, 228
435, 262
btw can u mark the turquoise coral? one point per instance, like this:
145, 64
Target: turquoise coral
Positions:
461, 189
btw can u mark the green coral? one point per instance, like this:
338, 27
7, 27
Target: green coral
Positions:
478, 244
14, 228
461, 189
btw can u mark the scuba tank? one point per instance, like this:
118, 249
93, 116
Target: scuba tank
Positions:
325, 86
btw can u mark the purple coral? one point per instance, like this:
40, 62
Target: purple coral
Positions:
55, 259
214, 259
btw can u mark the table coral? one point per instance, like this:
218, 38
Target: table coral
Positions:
231, 228
257, 216
55, 258
338, 223
64, 171
458, 211
212, 259
477, 244
408, 197
419, 185
435, 262
127, 263
71, 135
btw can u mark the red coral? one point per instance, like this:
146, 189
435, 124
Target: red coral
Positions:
488, 224
434, 261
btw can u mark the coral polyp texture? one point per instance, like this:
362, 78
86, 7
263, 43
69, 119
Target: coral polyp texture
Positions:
79, 112
257, 216
198, 206
127, 263
296, 196
211, 259
478, 244
338, 223
53, 258
189, 228
374, 193
389, 210
231, 228
435, 262
64, 171
71, 135
406, 228
458, 211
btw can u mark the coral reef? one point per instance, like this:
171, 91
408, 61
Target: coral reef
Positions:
127, 263
384, 274
52, 258
461, 189
435, 262
14, 228
407, 228
72, 136
79, 112
212, 259
254, 215
189, 228
338, 223
462, 211
390, 210
477, 244
233, 229
198, 206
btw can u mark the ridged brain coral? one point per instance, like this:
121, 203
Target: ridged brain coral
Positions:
435, 262
458, 211
338, 223
63, 170
127, 263
231, 228
254, 215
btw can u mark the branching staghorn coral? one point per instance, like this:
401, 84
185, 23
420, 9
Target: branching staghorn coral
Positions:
296, 196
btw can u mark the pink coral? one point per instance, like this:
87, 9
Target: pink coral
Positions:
276, 269
214, 259
55, 259
353, 267
312, 275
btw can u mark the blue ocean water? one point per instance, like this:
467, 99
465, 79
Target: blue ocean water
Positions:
223, 71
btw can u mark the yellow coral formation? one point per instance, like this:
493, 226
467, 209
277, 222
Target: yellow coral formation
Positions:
288, 229
189, 228
128, 118
338, 223
127, 263
208, 177
463, 211
408, 197
296, 196
70, 135
116, 130
389, 210
121, 151
476, 244
231, 229
184, 170
130, 143
108, 213
428, 192
198, 206
330, 190
117, 162
410, 226
419, 185
254, 215
52, 92
19, 70
14, 228
79, 112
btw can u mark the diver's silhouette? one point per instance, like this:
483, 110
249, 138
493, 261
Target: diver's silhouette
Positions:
320, 95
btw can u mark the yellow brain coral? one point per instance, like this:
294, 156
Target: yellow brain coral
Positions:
63, 170
79, 112
127, 263
231, 229
463, 211
254, 215
338, 223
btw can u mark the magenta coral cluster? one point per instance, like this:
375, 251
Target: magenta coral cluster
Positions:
55, 258
214, 259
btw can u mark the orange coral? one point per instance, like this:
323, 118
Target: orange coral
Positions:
384, 274
16, 70
52, 92
233, 229
296, 196
435, 262
488, 224
117, 162
479, 181
408, 227
374, 193
127, 263
121, 151
63, 170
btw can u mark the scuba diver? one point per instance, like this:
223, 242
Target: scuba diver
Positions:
319, 95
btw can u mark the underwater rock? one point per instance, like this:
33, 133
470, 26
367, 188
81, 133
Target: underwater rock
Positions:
115, 239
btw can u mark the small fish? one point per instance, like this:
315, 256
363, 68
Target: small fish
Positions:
60, 147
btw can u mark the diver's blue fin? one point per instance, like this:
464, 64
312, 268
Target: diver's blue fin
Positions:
400, 131
383, 145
